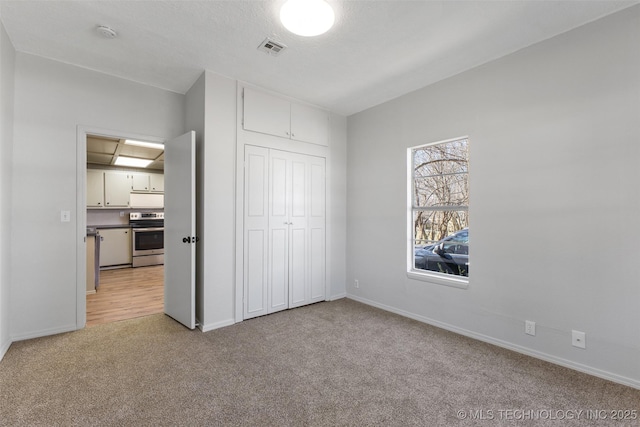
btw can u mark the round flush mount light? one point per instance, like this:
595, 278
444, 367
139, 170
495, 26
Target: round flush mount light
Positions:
106, 32
307, 17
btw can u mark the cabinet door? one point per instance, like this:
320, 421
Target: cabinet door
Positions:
140, 182
117, 187
156, 182
115, 247
266, 113
95, 188
309, 124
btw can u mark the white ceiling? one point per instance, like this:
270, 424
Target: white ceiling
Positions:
104, 151
377, 50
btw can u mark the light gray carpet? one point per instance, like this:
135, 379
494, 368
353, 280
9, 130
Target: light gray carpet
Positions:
332, 363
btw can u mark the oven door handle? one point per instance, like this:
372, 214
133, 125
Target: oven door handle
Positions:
147, 229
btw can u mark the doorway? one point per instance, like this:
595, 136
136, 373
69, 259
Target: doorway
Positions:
118, 288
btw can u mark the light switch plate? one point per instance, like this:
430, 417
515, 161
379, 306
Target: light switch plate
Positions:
65, 216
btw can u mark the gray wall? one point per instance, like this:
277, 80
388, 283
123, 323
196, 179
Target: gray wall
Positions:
337, 209
555, 142
7, 62
194, 120
51, 100
212, 107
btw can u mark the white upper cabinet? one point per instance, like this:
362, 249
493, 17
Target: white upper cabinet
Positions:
144, 182
309, 124
117, 186
266, 113
140, 182
156, 182
95, 188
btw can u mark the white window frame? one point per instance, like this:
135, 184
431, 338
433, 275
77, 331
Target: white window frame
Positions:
461, 282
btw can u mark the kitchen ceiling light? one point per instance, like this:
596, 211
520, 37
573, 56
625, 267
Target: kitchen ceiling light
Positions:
307, 17
132, 162
155, 145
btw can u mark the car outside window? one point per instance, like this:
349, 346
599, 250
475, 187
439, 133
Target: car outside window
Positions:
438, 215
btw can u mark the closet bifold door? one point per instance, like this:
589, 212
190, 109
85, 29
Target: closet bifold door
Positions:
284, 230
256, 228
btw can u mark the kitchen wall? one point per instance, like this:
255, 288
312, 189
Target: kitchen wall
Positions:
51, 100
7, 63
554, 146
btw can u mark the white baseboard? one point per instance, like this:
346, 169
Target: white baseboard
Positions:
336, 297
217, 325
4, 348
505, 344
44, 333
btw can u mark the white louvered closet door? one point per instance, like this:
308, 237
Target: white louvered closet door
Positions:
284, 262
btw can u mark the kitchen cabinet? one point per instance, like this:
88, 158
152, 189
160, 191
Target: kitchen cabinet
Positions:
117, 187
156, 182
140, 182
115, 247
284, 230
95, 188
153, 182
277, 116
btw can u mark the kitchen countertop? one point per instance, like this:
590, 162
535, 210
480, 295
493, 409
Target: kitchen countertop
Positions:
101, 227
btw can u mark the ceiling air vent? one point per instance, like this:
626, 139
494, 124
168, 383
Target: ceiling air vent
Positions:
271, 47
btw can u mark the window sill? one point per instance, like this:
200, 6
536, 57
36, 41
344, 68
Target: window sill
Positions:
454, 282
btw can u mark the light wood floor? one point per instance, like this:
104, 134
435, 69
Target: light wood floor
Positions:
126, 293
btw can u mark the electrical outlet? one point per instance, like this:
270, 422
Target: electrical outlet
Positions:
529, 327
578, 339
356, 283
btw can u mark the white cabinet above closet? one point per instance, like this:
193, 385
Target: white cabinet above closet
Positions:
270, 114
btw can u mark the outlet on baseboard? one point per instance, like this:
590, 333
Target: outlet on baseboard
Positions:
578, 339
529, 327
356, 283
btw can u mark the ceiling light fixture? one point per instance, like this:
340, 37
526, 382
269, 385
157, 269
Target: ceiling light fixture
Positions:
132, 162
307, 17
145, 144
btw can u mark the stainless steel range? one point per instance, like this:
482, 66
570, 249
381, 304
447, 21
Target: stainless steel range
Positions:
147, 238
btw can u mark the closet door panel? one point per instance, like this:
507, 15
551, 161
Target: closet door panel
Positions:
279, 286
298, 188
297, 271
255, 277
317, 264
279, 200
278, 191
317, 229
256, 227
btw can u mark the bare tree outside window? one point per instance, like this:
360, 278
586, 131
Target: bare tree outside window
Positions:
440, 205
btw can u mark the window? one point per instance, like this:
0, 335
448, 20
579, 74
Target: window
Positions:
439, 211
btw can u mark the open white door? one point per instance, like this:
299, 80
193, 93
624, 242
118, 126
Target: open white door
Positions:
180, 229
